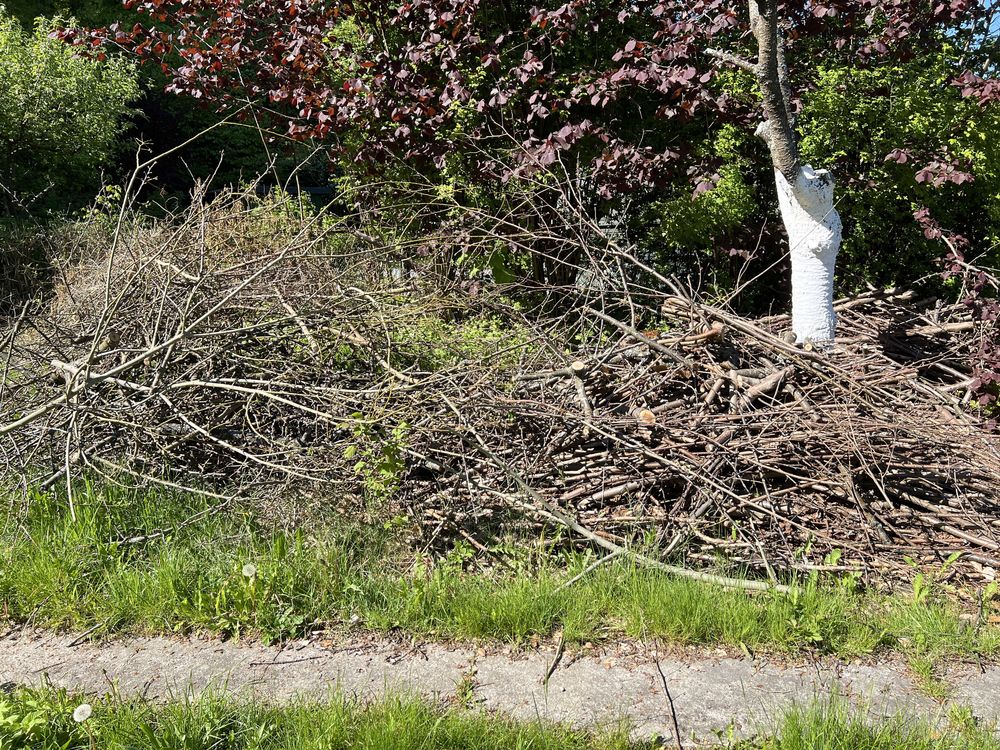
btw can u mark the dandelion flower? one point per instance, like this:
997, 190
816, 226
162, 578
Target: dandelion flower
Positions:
249, 570
82, 713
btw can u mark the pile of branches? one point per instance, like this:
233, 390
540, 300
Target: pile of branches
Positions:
236, 354
733, 443
244, 346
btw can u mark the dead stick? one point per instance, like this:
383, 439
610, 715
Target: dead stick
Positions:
593, 566
651, 343
771, 383
670, 701
80, 638
555, 661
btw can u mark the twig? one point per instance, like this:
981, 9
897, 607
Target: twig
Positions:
549, 511
636, 335
736, 60
670, 701
556, 659
589, 569
282, 662
83, 636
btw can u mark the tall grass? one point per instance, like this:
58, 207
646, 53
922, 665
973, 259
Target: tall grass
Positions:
230, 574
832, 725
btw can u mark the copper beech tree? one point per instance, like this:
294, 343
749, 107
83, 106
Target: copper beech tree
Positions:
420, 80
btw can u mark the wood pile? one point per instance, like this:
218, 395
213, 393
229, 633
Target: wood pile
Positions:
732, 444
238, 356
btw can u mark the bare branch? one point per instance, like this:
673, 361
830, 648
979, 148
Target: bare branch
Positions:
268, 354
740, 62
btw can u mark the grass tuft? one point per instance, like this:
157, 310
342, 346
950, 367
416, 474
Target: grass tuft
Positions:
832, 725
43, 720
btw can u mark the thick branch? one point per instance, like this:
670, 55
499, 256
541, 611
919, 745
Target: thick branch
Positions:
781, 137
740, 62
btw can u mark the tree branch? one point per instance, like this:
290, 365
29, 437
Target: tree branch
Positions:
739, 62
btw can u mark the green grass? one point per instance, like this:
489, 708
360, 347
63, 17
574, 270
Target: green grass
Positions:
833, 726
228, 574
925, 672
42, 719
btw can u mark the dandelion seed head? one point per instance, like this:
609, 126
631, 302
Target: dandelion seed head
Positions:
82, 713
249, 570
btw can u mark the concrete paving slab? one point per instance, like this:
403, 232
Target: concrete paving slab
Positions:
711, 694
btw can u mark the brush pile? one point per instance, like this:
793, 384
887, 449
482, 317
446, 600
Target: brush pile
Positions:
730, 442
230, 353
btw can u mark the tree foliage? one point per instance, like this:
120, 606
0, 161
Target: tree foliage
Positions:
586, 72
61, 116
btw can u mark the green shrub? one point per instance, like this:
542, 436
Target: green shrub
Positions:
857, 116
61, 117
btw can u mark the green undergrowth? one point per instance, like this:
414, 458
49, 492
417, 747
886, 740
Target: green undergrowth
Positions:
48, 719
227, 573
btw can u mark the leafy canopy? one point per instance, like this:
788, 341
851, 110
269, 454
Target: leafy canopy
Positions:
595, 76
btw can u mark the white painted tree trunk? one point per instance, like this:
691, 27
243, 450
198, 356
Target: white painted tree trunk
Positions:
814, 234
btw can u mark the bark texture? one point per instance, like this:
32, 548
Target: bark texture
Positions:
774, 87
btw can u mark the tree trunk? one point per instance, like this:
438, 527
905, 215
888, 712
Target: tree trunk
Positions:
814, 234
805, 195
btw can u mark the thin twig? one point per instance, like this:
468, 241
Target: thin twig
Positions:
670, 702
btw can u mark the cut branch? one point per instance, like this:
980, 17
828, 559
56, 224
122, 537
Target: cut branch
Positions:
740, 62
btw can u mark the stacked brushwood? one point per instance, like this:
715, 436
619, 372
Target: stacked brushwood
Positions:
727, 439
242, 356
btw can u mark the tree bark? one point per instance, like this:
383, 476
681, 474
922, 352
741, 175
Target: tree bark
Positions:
780, 136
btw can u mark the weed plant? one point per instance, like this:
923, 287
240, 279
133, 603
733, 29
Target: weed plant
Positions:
47, 719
